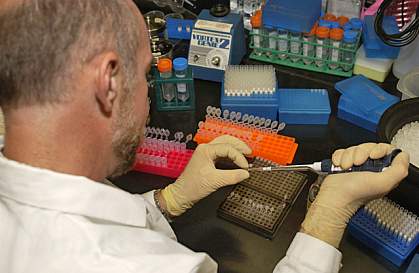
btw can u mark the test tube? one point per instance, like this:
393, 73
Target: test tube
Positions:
336, 36
295, 45
258, 32
283, 43
180, 66
164, 67
322, 34
349, 43
308, 49
356, 25
272, 33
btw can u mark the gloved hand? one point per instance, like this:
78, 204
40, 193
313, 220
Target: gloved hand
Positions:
200, 177
341, 195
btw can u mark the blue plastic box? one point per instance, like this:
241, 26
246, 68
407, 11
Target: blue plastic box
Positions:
304, 106
363, 102
365, 229
179, 28
258, 105
295, 15
374, 46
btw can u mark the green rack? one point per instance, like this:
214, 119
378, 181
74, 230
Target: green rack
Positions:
175, 104
271, 56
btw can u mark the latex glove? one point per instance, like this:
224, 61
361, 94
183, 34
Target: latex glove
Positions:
341, 195
200, 177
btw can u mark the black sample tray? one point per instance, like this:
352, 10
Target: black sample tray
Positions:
261, 202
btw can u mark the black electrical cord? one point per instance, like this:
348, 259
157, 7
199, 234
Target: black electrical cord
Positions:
402, 38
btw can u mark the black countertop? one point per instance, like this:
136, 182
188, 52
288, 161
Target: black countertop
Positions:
236, 249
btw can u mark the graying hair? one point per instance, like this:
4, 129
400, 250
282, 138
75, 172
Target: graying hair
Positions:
43, 42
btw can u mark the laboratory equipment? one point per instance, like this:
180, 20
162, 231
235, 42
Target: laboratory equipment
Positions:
161, 156
283, 43
356, 24
259, 40
168, 89
375, 69
250, 89
156, 24
295, 46
178, 27
350, 8
386, 228
326, 166
259, 133
336, 35
217, 41
296, 15
363, 102
304, 106
408, 84
408, 59
174, 85
322, 41
342, 20
273, 44
374, 47
393, 119
262, 202
308, 45
349, 46
180, 66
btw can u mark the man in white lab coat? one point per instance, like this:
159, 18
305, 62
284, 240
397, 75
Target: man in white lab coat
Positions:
74, 94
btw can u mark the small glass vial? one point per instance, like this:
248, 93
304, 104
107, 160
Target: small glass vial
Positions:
336, 36
322, 40
308, 49
180, 66
283, 43
164, 66
273, 34
295, 45
349, 43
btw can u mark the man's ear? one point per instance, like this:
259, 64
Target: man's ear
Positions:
107, 86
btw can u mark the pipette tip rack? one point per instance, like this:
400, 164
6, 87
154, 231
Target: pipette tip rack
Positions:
389, 229
259, 133
261, 202
161, 156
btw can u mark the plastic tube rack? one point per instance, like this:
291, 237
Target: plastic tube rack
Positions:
161, 156
259, 133
390, 230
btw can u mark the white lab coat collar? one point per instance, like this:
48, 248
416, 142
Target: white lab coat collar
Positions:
68, 193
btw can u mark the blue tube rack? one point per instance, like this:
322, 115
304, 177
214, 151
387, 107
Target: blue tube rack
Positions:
371, 233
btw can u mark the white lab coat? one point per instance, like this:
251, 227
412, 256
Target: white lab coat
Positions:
54, 223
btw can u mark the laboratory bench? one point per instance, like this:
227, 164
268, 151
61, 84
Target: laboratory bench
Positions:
236, 249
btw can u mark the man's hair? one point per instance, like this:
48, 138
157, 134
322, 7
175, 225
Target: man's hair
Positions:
43, 42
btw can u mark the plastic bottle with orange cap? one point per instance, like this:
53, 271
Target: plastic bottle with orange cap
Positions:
336, 36
164, 66
308, 47
322, 40
259, 40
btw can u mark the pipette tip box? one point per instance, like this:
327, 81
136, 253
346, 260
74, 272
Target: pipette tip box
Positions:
304, 106
296, 15
363, 102
374, 47
371, 232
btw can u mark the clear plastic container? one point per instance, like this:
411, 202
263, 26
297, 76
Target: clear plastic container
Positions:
283, 43
336, 36
295, 45
408, 84
322, 40
273, 34
308, 49
164, 66
349, 42
180, 66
